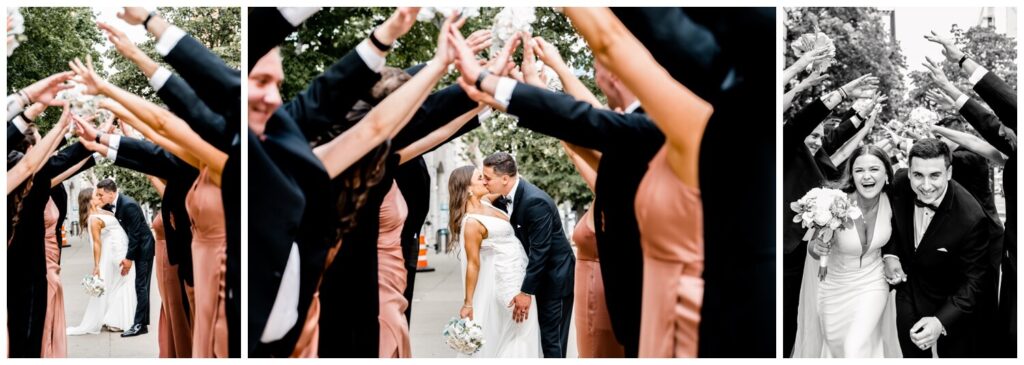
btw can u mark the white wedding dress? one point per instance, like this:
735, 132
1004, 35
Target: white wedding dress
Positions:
850, 314
503, 263
116, 307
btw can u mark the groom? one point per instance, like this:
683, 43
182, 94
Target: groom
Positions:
938, 255
549, 275
140, 248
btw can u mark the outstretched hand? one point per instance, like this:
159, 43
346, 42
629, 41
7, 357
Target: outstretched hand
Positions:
529, 66
396, 25
940, 99
479, 40
949, 49
861, 87
87, 75
935, 72
446, 52
811, 56
815, 78
120, 40
45, 91
547, 53
133, 15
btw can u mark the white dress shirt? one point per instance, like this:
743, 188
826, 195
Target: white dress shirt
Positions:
511, 196
923, 218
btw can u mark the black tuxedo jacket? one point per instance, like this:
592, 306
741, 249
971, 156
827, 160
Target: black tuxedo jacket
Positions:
1003, 102
212, 127
537, 224
971, 171
26, 305
1000, 97
14, 136
215, 83
140, 237
148, 158
949, 271
627, 143
271, 30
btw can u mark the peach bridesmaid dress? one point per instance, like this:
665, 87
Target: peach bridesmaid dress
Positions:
209, 245
55, 326
594, 337
671, 220
394, 329
175, 337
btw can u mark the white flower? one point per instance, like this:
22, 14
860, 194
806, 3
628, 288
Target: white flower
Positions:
17, 30
809, 42
82, 105
508, 22
429, 14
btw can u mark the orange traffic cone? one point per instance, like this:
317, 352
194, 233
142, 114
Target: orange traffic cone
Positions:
64, 237
421, 265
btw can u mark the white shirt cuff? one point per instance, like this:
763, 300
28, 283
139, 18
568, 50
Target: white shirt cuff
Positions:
114, 141
285, 312
373, 60
977, 75
20, 123
168, 40
503, 92
15, 104
890, 255
484, 113
111, 154
295, 15
961, 101
159, 78
855, 119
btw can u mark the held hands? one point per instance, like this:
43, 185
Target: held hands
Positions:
949, 49
861, 87
893, 271
520, 307
45, 91
466, 312
926, 332
126, 265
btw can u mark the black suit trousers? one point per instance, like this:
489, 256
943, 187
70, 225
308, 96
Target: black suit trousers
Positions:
143, 271
554, 315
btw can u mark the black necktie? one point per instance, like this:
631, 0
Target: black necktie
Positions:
922, 204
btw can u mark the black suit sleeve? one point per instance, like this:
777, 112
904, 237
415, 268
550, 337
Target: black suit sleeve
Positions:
183, 101
835, 139
330, 96
268, 31
148, 158
803, 123
14, 136
437, 110
577, 122
137, 229
1000, 97
540, 225
62, 161
214, 81
973, 258
988, 125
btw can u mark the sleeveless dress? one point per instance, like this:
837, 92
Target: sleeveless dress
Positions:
175, 337
54, 336
116, 307
209, 245
671, 220
594, 334
851, 313
503, 263
391, 276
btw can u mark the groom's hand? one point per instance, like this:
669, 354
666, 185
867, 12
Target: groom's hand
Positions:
926, 332
520, 307
126, 265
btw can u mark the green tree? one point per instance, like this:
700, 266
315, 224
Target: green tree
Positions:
54, 37
863, 45
331, 33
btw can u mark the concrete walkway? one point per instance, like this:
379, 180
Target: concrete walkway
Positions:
76, 263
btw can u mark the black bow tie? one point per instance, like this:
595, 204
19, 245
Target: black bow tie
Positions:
922, 204
501, 202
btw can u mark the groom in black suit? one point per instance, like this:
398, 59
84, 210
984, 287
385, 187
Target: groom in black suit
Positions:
939, 246
550, 273
140, 248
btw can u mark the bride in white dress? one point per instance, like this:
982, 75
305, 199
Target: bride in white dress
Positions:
493, 267
851, 313
115, 309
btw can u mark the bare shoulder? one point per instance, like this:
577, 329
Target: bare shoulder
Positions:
474, 229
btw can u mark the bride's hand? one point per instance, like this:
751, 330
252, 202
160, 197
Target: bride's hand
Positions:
96, 271
466, 312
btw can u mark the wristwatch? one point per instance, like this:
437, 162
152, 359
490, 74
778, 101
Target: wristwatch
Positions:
145, 23
964, 58
377, 43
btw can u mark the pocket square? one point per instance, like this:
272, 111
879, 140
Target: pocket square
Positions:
943, 249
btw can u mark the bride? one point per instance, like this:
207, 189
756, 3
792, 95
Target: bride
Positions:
493, 267
851, 313
116, 307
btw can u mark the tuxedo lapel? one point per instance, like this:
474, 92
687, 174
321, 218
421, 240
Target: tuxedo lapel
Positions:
939, 220
517, 214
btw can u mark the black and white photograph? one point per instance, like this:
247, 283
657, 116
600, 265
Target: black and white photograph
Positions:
899, 182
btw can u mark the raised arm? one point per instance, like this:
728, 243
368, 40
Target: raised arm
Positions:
33, 160
126, 116
802, 62
586, 168
815, 78
972, 143
548, 53
437, 137
851, 145
389, 115
158, 184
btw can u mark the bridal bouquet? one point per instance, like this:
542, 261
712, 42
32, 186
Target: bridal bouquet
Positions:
438, 14
508, 22
823, 211
82, 105
811, 41
93, 285
463, 335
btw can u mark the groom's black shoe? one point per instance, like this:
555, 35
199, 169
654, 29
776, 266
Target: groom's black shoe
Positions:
136, 330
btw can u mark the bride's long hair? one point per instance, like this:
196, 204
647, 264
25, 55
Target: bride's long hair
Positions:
458, 188
84, 208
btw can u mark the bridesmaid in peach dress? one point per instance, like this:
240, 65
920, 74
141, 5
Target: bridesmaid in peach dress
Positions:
54, 327
594, 336
394, 329
209, 245
668, 204
175, 337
